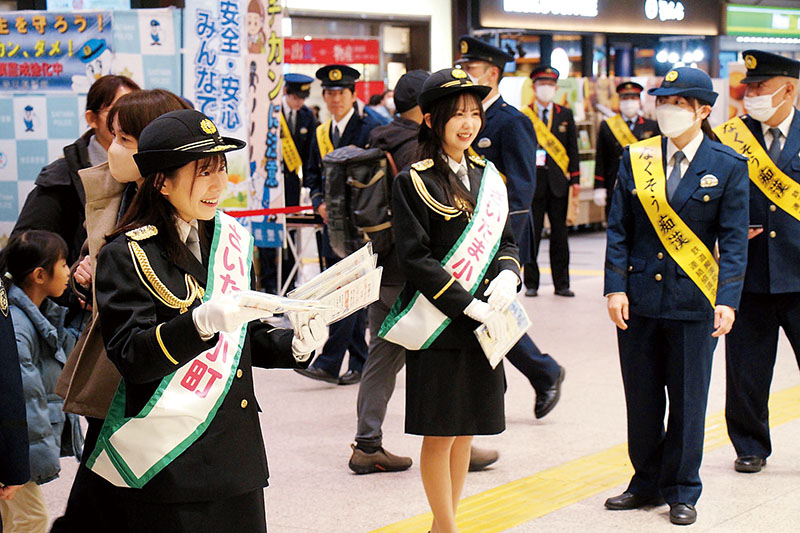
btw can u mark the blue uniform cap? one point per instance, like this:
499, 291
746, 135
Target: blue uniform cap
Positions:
687, 82
298, 84
92, 50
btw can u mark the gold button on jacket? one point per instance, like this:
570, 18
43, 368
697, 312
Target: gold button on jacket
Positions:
658, 277
244, 404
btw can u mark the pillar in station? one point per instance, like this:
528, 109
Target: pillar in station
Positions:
587, 55
545, 48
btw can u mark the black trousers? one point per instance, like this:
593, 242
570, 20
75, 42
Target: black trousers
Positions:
540, 368
556, 209
750, 351
657, 354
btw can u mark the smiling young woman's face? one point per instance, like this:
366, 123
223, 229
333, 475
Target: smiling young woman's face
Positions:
195, 189
462, 128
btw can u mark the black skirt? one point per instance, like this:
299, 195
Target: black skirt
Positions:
454, 392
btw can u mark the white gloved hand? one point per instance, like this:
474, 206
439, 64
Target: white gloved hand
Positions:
482, 312
223, 314
600, 197
502, 290
309, 335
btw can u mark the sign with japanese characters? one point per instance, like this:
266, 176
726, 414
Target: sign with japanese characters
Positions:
327, 51
42, 51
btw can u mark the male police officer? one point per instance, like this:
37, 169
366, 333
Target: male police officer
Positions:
617, 132
771, 297
557, 170
345, 127
508, 141
297, 128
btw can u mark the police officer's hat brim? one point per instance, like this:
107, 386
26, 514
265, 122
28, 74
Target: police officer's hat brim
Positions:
756, 79
152, 161
429, 97
704, 95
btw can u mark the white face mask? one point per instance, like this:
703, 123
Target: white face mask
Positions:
629, 108
478, 81
389, 104
760, 107
673, 120
545, 93
121, 164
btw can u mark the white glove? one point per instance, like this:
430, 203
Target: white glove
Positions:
502, 290
223, 314
600, 197
309, 335
482, 312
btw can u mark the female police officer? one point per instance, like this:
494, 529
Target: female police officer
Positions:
668, 296
183, 430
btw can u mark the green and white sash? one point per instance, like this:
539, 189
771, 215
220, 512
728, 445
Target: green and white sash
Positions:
419, 323
131, 450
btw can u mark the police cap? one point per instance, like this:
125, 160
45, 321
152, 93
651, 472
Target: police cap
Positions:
629, 87
687, 82
445, 83
408, 88
544, 72
177, 138
92, 50
473, 49
765, 65
337, 77
298, 84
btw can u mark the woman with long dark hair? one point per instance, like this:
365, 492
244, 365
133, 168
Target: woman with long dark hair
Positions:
456, 249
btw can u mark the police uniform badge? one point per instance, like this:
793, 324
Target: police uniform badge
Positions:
464, 47
484, 142
672, 75
562, 128
303, 130
458, 74
3, 300
207, 126
335, 74
709, 180
750, 62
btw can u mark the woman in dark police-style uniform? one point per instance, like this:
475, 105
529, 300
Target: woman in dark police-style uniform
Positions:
677, 196
452, 393
150, 281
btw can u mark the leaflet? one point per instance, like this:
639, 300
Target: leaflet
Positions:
362, 256
517, 323
277, 304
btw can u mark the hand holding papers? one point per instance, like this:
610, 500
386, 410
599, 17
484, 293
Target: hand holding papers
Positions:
497, 341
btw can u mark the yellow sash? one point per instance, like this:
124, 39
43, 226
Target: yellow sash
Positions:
324, 138
686, 248
781, 190
291, 157
621, 131
548, 141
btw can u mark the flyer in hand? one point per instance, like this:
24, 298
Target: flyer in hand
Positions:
517, 323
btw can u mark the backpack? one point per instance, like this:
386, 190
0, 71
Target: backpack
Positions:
358, 190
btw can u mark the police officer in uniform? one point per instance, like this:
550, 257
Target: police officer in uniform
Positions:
771, 297
508, 141
553, 185
301, 124
345, 127
666, 294
612, 138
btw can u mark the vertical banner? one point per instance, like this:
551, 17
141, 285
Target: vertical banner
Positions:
265, 57
214, 77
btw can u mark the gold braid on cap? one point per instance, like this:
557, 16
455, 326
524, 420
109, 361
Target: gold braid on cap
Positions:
157, 287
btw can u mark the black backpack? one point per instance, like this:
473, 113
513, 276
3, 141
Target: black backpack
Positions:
358, 189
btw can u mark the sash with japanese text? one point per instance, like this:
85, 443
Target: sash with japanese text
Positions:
781, 190
324, 138
686, 248
622, 133
548, 140
131, 450
419, 323
291, 157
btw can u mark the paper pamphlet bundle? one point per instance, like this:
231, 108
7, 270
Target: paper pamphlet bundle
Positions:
517, 323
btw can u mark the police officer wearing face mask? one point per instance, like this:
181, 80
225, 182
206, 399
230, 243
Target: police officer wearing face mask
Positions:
771, 298
557, 174
616, 133
676, 197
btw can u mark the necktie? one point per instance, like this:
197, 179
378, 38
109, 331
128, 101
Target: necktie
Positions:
632, 124
674, 176
544, 115
775, 147
461, 173
193, 243
336, 137
292, 121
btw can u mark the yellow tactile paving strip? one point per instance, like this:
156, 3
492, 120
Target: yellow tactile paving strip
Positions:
529, 498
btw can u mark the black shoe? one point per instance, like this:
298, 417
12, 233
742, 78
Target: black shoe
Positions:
350, 377
531, 293
630, 500
749, 464
682, 514
318, 374
546, 401
565, 292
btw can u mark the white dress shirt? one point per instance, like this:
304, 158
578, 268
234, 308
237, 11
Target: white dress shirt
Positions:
783, 126
488, 103
455, 166
689, 151
342, 124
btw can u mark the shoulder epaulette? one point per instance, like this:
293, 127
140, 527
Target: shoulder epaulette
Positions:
434, 205
425, 164
140, 234
477, 160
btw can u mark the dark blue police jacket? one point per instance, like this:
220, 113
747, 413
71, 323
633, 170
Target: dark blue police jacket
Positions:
305, 129
14, 466
508, 141
639, 265
772, 262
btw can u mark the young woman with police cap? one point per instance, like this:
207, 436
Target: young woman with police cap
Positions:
456, 249
677, 197
183, 432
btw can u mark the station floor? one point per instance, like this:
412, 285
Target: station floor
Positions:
553, 474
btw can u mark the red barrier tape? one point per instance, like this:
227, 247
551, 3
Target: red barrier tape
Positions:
275, 211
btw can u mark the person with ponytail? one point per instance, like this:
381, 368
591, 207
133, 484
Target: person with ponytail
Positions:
456, 250
35, 267
679, 197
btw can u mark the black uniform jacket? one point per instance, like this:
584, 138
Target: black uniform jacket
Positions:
608, 152
563, 126
228, 459
423, 238
304, 131
14, 466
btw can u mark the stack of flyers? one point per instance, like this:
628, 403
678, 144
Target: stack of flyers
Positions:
517, 323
